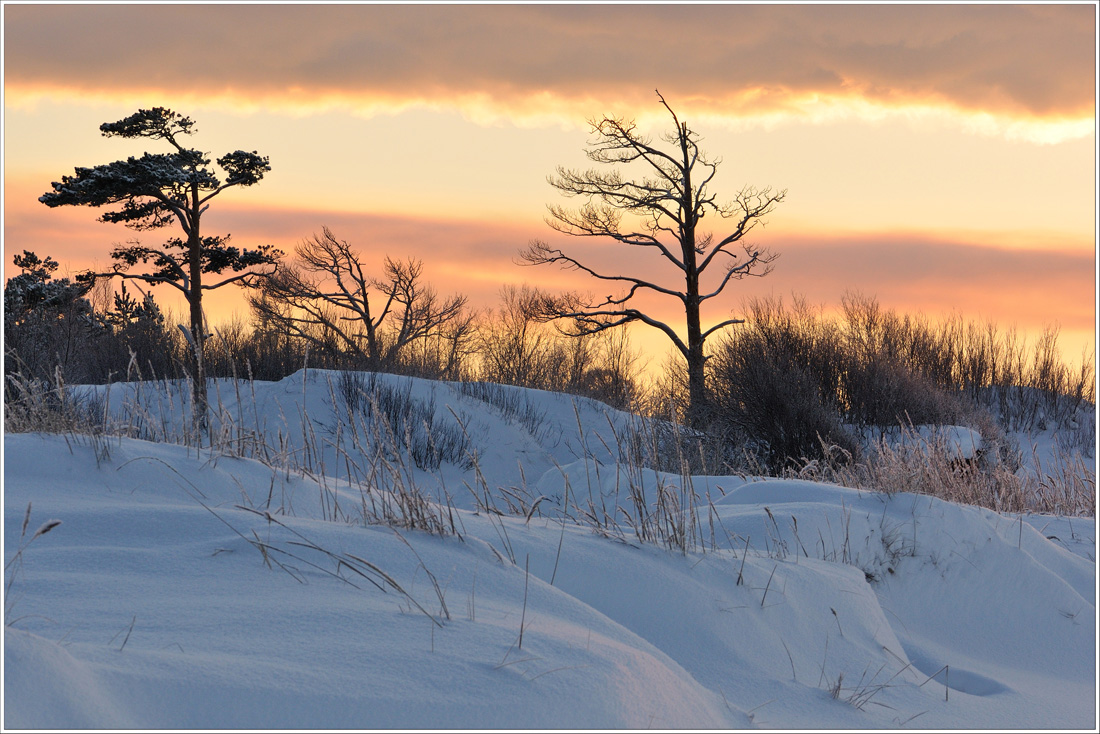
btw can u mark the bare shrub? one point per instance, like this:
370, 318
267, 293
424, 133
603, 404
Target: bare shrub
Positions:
976, 361
330, 301
400, 422
776, 383
790, 376
516, 347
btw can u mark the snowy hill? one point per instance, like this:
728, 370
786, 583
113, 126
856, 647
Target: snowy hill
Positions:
564, 587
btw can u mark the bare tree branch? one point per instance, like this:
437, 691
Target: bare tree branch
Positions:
540, 253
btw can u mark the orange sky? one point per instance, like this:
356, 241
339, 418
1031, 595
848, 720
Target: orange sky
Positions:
941, 158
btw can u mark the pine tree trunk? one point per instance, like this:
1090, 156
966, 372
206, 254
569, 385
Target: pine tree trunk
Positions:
198, 385
198, 333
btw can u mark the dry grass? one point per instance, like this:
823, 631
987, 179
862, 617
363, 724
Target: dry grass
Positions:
373, 459
33, 406
13, 567
373, 479
1066, 486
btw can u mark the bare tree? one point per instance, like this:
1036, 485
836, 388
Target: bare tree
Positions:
665, 205
329, 300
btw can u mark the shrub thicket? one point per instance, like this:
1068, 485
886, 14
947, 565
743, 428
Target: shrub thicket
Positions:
792, 381
777, 384
93, 335
788, 386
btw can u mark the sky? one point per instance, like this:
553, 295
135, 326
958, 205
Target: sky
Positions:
940, 158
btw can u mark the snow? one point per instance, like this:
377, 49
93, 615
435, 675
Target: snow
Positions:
1040, 451
188, 588
961, 441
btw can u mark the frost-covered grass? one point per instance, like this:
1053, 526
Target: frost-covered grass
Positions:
950, 462
298, 567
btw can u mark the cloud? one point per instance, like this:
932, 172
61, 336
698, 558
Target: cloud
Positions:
913, 272
541, 62
920, 273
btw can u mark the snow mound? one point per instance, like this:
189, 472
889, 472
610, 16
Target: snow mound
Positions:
191, 589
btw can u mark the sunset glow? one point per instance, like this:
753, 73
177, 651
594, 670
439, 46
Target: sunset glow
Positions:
941, 158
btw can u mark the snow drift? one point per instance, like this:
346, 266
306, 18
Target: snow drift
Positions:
191, 588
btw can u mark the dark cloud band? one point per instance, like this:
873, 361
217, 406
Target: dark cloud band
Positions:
1013, 59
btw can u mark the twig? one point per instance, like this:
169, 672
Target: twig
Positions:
523, 615
768, 586
744, 555
127, 637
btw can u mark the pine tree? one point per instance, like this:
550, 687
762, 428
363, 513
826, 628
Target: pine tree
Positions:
159, 190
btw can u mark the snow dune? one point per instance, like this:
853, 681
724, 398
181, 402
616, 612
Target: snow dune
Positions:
186, 588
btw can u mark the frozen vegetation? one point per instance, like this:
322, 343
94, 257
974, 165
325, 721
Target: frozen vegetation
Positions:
347, 550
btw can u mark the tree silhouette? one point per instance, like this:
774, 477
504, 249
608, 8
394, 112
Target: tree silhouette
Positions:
665, 206
161, 189
325, 300
46, 320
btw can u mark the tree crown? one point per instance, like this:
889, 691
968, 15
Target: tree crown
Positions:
35, 290
156, 188
159, 189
